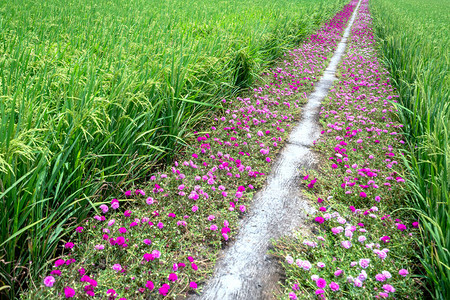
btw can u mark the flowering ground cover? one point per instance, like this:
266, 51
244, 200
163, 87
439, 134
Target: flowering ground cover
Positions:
362, 241
95, 94
162, 239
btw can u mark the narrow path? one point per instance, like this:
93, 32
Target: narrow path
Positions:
246, 271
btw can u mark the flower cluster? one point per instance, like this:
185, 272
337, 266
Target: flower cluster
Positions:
358, 250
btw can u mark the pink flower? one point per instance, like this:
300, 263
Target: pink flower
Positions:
334, 286
79, 229
59, 262
193, 285
147, 242
403, 272
69, 292
160, 225
164, 289
389, 288
49, 281
319, 220
194, 208
364, 263
338, 273
127, 193
173, 277
194, 266
401, 227
104, 208
385, 239
55, 272
415, 224
69, 245
362, 194
213, 227
156, 254
380, 277
117, 267
321, 283
346, 244
292, 296
242, 208
150, 285
311, 184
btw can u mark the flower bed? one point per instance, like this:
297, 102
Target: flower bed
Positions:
361, 243
162, 239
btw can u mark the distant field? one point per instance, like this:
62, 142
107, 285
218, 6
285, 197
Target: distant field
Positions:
95, 93
414, 38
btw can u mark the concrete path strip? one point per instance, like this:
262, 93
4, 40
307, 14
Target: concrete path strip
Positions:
245, 271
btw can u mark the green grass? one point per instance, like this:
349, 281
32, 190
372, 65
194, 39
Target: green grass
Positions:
95, 94
414, 38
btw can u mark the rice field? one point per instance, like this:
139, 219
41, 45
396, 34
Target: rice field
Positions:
96, 94
414, 40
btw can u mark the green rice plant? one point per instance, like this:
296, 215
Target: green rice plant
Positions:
414, 39
96, 94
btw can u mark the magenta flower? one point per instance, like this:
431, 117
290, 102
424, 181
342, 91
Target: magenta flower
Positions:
403, 272
401, 227
193, 285
150, 285
292, 296
319, 220
362, 194
79, 229
173, 277
321, 283
385, 239
55, 272
69, 245
164, 289
69, 292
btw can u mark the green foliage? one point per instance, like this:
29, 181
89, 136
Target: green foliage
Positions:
414, 39
97, 93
